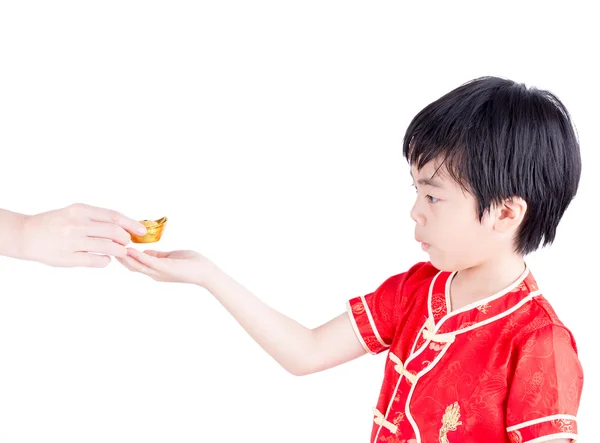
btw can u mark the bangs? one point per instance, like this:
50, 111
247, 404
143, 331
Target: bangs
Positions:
448, 160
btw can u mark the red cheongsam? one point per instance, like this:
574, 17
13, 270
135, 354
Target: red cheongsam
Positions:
503, 369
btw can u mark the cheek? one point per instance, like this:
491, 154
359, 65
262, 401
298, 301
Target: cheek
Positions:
463, 231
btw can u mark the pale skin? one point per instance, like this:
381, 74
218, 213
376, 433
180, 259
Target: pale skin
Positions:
441, 211
78, 235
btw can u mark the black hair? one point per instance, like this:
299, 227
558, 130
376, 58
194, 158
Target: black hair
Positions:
500, 139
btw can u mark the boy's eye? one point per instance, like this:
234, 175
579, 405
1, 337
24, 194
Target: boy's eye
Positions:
428, 197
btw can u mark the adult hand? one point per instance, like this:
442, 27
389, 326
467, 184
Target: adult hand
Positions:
77, 235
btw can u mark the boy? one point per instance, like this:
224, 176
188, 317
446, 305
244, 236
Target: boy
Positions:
475, 352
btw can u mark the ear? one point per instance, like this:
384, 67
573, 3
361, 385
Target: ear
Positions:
510, 214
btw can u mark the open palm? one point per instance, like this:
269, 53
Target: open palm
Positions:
182, 266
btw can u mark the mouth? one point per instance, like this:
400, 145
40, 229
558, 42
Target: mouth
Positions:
424, 246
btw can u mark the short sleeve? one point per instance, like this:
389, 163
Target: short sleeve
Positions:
545, 389
375, 316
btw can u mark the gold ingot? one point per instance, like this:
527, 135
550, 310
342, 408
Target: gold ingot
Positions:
154, 230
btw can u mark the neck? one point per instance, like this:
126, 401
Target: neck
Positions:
485, 279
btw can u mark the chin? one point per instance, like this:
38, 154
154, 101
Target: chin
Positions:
444, 268
447, 265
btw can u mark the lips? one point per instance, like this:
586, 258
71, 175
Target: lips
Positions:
424, 245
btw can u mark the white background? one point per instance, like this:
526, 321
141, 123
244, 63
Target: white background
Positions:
270, 134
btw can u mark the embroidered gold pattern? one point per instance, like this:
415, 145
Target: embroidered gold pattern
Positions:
450, 421
564, 424
358, 309
484, 308
515, 436
399, 418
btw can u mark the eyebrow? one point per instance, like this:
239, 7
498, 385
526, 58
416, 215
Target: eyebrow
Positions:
428, 182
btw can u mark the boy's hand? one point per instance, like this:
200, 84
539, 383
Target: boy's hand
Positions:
77, 235
175, 266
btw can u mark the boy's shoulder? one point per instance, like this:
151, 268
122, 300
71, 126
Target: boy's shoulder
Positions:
419, 274
539, 320
413, 283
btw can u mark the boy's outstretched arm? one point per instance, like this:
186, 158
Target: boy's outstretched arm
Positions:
298, 349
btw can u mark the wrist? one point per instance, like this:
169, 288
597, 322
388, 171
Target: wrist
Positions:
13, 241
26, 241
210, 277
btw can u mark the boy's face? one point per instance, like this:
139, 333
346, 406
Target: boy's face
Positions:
447, 224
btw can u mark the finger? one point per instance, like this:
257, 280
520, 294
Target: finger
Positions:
110, 216
108, 231
133, 265
101, 246
148, 260
125, 263
157, 254
88, 260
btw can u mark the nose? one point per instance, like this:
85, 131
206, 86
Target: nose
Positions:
417, 216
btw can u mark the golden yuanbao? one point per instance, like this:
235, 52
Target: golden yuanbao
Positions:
154, 229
